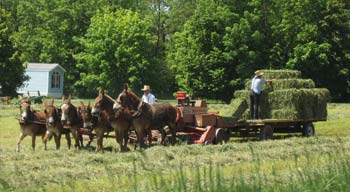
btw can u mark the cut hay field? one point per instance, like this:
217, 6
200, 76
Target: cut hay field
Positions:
320, 163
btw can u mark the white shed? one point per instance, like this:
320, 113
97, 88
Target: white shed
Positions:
45, 78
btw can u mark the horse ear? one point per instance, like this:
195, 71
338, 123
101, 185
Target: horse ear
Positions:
63, 97
52, 100
20, 97
82, 104
28, 97
70, 97
126, 87
101, 92
89, 104
44, 102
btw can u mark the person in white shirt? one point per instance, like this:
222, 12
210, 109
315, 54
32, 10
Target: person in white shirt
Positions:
255, 91
147, 96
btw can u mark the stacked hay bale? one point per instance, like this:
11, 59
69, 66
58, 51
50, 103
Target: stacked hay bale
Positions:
236, 108
288, 97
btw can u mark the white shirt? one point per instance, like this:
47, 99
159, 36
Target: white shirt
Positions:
149, 98
257, 83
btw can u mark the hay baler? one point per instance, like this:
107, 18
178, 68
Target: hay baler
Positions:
195, 124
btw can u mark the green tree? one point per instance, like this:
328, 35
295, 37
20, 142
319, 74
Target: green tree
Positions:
314, 36
196, 53
46, 31
117, 49
11, 69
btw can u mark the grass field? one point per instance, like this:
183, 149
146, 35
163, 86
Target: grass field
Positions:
320, 163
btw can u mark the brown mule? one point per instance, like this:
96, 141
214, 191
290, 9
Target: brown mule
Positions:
54, 125
70, 119
147, 117
103, 111
31, 123
86, 120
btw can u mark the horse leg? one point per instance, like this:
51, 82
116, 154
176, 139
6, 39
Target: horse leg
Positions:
44, 138
57, 140
76, 139
99, 134
80, 135
126, 138
119, 139
142, 138
163, 135
21, 137
138, 139
69, 142
33, 141
91, 137
172, 127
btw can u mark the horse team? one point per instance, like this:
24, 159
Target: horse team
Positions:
121, 115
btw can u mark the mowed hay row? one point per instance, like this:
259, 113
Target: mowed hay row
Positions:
299, 104
279, 84
281, 74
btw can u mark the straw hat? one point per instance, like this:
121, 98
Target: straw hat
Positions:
146, 88
259, 73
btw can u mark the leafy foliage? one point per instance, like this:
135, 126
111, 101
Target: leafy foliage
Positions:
11, 70
206, 47
117, 49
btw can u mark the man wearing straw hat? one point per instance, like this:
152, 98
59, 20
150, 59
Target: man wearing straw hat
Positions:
147, 96
255, 92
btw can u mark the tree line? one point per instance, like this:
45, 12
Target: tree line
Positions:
206, 47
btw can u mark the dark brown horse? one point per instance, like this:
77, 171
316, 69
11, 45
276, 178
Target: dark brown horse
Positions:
119, 121
31, 123
146, 116
54, 125
70, 119
86, 120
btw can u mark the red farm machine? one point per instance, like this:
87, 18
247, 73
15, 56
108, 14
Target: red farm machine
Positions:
196, 125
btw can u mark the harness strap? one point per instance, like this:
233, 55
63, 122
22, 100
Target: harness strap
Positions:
139, 111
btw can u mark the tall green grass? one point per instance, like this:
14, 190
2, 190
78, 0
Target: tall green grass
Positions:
320, 163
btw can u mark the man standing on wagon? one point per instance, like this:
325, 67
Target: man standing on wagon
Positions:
255, 92
147, 96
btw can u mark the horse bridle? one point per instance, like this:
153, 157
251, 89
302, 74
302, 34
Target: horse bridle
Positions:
55, 115
138, 112
72, 121
29, 112
81, 112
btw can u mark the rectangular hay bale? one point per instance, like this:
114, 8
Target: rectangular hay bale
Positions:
264, 107
281, 74
235, 109
305, 103
279, 84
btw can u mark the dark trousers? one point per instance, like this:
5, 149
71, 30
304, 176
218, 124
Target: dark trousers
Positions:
254, 105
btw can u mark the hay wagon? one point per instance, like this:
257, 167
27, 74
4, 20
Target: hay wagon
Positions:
198, 126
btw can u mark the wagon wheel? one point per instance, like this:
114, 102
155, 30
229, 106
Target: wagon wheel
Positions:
266, 132
221, 136
308, 130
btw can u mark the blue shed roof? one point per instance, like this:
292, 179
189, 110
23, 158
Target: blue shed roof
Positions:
44, 67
